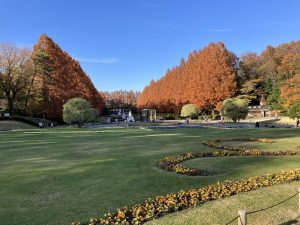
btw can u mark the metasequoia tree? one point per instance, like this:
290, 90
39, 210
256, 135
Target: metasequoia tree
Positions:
205, 79
213, 77
120, 99
65, 81
41, 65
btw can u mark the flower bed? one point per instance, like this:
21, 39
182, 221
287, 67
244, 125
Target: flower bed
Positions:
173, 163
163, 205
175, 127
216, 143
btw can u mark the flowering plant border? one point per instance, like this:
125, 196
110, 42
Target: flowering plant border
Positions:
174, 163
163, 205
160, 206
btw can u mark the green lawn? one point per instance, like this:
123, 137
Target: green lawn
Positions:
222, 211
13, 125
236, 167
57, 176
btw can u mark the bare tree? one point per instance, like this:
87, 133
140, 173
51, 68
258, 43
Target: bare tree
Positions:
15, 72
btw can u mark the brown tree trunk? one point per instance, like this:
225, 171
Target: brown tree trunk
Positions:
28, 93
10, 105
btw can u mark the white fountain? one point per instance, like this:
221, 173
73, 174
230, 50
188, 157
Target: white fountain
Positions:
130, 118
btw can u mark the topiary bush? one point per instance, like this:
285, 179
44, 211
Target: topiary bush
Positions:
78, 111
189, 111
235, 109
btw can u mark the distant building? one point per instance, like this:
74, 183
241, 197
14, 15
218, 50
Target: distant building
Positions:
262, 110
148, 115
119, 112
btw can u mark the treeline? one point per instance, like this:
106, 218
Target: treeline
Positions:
205, 79
120, 99
40, 81
213, 74
274, 73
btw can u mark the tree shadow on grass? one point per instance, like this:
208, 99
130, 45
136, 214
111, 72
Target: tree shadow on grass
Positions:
292, 222
237, 167
273, 133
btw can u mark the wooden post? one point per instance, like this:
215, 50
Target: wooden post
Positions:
299, 200
242, 220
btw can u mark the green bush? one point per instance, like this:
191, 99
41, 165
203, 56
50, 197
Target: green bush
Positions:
235, 109
78, 111
189, 110
294, 111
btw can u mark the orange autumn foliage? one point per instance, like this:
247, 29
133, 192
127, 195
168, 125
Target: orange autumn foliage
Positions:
290, 91
120, 98
67, 80
206, 79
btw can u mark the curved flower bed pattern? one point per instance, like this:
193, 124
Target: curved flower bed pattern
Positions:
173, 163
163, 205
216, 143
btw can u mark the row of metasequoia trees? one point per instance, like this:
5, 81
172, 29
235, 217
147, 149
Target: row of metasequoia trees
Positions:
40, 81
120, 99
213, 74
205, 79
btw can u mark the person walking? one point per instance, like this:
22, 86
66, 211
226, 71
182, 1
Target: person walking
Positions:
187, 120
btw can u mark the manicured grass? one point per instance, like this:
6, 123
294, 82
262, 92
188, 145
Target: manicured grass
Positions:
235, 168
13, 125
222, 211
57, 176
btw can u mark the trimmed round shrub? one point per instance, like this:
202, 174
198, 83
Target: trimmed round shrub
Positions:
235, 109
189, 110
78, 111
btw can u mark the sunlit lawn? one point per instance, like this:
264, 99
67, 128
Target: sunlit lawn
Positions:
57, 176
222, 211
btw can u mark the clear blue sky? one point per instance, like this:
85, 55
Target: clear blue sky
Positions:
123, 44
